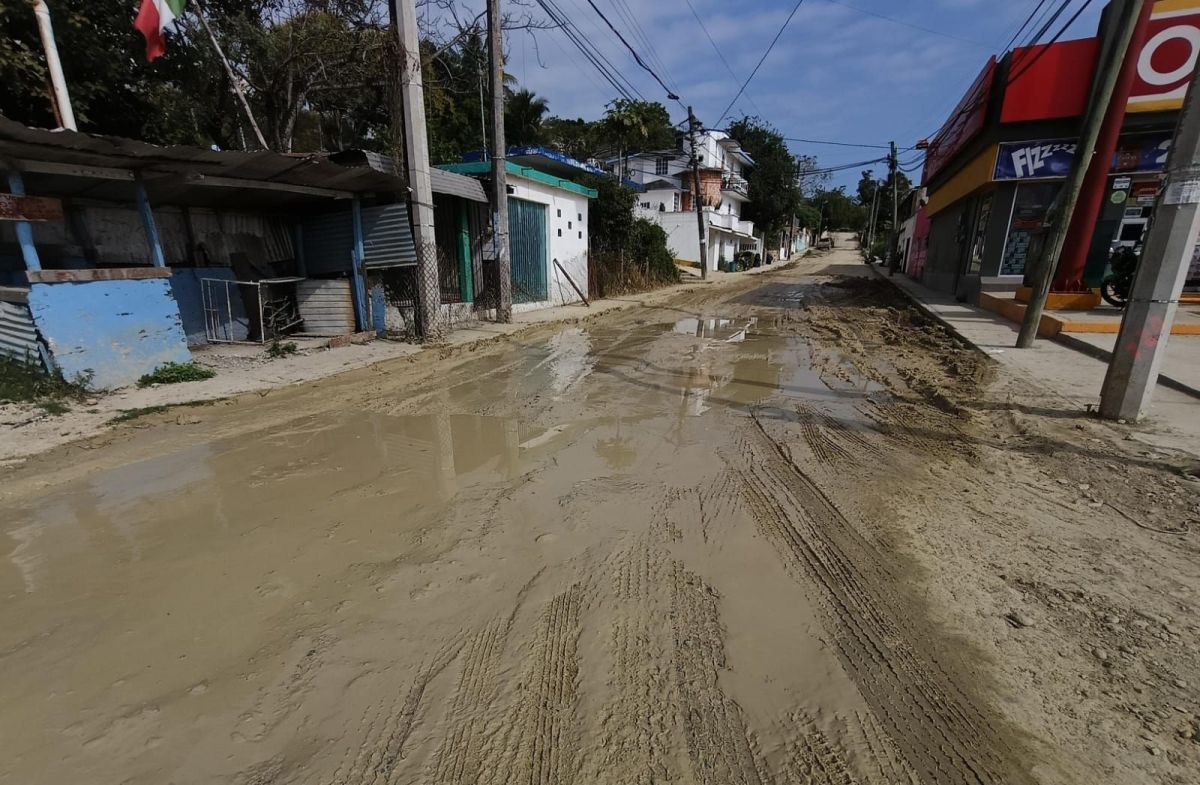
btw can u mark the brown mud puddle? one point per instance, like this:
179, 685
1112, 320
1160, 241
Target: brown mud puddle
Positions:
582, 560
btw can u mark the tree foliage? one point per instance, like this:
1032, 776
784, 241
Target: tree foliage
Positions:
838, 210
775, 194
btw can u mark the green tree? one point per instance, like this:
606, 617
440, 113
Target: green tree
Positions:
524, 114
774, 188
637, 126
838, 210
581, 139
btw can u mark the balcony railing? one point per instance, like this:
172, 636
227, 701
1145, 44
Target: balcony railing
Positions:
735, 184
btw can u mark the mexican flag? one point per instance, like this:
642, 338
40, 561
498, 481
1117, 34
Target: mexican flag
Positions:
153, 16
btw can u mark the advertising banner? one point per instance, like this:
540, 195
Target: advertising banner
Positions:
1040, 160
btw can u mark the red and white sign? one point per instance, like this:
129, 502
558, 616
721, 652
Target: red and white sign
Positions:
1166, 62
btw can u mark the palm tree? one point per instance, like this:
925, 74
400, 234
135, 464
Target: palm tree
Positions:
523, 115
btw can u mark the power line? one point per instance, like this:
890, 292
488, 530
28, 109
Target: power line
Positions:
774, 40
631, 19
903, 23
611, 73
717, 49
838, 144
1025, 68
1033, 13
637, 57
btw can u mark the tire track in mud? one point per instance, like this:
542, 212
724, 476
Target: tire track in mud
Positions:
383, 733
812, 757
459, 757
634, 737
890, 768
943, 735
720, 747
538, 743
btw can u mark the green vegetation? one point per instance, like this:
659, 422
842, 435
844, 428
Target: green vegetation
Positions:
132, 414
174, 373
629, 254
26, 382
277, 348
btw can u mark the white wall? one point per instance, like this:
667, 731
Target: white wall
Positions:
566, 221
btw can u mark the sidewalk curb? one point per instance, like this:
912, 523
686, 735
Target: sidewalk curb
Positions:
1063, 339
1071, 342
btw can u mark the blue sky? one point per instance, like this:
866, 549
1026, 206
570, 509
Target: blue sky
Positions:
838, 72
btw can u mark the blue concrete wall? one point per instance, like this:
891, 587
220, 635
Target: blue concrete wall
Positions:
185, 285
115, 330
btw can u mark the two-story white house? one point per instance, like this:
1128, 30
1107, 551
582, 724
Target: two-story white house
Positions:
665, 180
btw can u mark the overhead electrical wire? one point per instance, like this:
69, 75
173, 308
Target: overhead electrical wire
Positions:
1026, 67
1032, 14
903, 23
840, 144
619, 82
636, 56
749, 78
717, 49
627, 13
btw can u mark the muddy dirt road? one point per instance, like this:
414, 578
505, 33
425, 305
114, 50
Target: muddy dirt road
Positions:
779, 531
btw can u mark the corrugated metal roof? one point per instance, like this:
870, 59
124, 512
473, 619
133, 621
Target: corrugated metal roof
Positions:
188, 165
18, 338
444, 182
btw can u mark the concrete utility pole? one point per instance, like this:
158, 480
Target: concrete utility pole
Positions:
416, 153
894, 234
58, 82
1111, 65
697, 197
1154, 298
871, 223
499, 163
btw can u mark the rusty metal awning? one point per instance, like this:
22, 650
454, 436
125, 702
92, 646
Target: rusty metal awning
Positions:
70, 163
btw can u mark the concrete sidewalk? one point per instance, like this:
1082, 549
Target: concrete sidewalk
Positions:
1071, 377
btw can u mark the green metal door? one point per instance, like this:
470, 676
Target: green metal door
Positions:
527, 246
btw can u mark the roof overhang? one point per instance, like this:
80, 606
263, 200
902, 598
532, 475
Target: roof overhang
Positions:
78, 165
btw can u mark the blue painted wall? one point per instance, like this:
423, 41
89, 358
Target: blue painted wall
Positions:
117, 330
185, 285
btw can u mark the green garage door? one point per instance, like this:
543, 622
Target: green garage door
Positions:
527, 247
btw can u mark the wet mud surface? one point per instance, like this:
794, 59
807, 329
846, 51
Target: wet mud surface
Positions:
768, 534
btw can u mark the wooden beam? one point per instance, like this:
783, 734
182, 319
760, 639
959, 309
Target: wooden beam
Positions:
98, 274
265, 185
29, 208
74, 170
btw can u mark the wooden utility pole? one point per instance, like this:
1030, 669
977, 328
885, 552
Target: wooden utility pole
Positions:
235, 84
499, 163
416, 153
894, 234
697, 197
1154, 297
1111, 65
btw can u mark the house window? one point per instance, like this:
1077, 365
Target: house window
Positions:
660, 164
646, 205
675, 202
560, 232
569, 225
579, 216
581, 235
560, 213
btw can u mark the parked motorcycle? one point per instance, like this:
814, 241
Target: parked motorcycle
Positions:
1118, 281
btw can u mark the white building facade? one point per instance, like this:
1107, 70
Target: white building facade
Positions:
665, 180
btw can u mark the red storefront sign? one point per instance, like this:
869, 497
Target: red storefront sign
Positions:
1052, 82
964, 124
1166, 61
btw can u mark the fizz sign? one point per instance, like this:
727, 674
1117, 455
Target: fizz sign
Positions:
1166, 62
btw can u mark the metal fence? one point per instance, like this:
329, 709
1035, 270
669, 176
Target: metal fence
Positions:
249, 311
